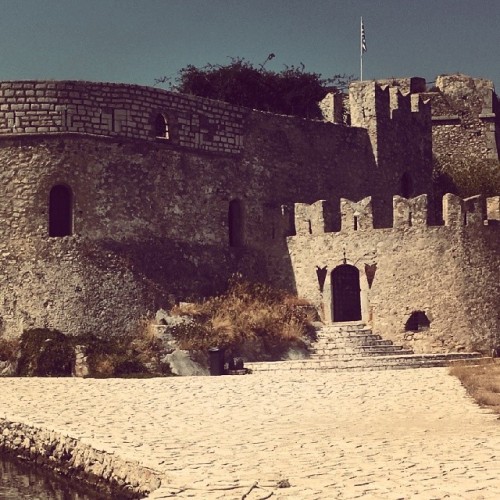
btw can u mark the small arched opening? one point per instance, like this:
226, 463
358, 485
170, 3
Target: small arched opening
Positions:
235, 223
346, 293
60, 211
406, 185
161, 127
417, 322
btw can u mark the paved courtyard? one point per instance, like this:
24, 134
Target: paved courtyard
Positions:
380, 434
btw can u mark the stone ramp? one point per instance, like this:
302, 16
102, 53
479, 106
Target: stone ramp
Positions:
354, 347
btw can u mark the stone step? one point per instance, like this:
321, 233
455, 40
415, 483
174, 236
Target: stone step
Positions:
370, 363
353, 347
343, 330
360, 351
347, 336
324, 343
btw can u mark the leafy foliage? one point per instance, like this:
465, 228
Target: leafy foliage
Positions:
292, 91
45, 353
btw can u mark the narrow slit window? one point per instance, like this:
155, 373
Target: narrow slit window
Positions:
355, 223
235, 223
60, 211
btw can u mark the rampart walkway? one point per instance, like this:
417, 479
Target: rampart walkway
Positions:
381, 434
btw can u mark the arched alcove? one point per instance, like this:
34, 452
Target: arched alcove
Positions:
417, 322
235, 223
60, 211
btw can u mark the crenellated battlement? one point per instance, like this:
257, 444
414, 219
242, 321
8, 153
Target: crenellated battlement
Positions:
407, 213
375, 101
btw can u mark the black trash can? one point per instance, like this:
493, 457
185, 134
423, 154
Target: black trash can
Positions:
216, 360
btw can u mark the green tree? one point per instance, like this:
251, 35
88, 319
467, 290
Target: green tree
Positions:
292, 91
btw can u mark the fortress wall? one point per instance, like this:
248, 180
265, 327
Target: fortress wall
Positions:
399, 127
119, 110
464, 121
72, 285
160, 213
158, 209
449, 272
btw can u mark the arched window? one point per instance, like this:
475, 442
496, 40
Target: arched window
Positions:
406, 185
161, 126
235, 223
60, 211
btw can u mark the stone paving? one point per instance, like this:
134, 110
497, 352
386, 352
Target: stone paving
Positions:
380, 434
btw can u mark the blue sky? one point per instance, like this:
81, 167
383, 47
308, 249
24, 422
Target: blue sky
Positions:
136, 41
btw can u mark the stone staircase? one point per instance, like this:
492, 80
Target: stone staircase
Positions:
351, 340
353, 346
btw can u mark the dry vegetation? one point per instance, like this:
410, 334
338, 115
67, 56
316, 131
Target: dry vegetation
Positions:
482, 382
250, 320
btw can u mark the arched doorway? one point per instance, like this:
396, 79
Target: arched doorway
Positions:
346, 293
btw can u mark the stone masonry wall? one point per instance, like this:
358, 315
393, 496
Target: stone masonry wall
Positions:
464, 121
448, 272
77, 460
118, 110
399, 128
150, 215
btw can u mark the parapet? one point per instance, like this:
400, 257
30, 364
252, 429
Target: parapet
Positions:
470, 211
119, 110
356, 216
310, 219
407, 213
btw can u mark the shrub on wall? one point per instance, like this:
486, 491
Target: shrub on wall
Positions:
292, 91
45, 353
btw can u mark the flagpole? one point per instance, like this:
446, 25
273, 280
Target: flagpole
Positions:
361, 48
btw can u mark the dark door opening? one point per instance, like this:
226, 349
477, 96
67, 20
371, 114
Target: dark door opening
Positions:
60, 211
346, 293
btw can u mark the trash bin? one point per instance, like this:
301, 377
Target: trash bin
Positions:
216, 360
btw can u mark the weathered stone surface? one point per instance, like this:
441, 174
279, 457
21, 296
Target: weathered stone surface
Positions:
77, 460
151, 175
449, 272
181, 364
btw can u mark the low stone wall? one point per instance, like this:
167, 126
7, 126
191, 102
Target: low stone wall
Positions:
74, 459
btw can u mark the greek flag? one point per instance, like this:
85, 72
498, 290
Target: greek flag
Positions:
363, 38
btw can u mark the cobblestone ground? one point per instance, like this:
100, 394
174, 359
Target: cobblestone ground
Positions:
381, 434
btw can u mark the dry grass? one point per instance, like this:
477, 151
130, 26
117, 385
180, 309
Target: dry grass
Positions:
247, 314
482, 382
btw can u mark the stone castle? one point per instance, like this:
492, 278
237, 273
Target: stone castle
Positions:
119, 200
